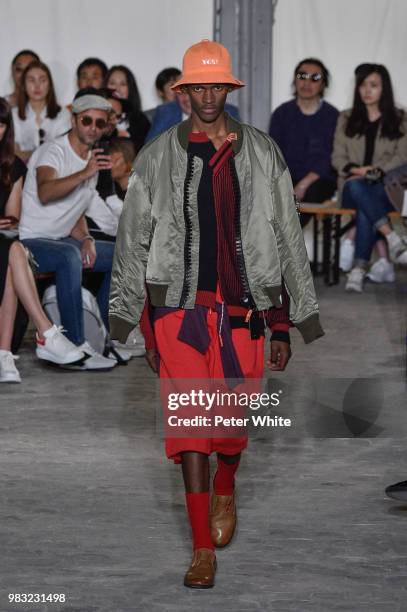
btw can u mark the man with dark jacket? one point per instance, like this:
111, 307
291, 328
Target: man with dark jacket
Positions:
210, 232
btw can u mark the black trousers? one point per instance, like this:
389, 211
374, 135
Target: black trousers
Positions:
322, 189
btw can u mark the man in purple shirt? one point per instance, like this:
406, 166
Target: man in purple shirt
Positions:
304, 130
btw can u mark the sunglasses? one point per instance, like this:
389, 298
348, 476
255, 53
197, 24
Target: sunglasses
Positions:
86, 121
41, 134
305, 76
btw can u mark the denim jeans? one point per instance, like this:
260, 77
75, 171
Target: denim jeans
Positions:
64, 258
372, 205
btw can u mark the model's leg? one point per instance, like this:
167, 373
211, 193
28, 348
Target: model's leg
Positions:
179, 360
224, 480
195, 470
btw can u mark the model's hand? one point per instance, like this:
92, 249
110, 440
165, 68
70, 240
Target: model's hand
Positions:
88, 253
280, 353
98, 161
151, 356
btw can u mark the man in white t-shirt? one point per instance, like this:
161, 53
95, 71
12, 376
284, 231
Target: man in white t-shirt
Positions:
59, 188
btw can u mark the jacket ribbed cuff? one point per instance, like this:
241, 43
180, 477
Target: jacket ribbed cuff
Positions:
310, 329
280, 336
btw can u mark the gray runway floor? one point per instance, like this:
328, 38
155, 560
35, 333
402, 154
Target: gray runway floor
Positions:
91, 508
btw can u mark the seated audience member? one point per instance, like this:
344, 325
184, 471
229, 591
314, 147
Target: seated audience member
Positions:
16, 278
382, 271
91, 73
38, 117
370, 139
60, 185
18, 65
120, 109
104, 211
134, 123
122, 154
163, 82
304, 130
169, 114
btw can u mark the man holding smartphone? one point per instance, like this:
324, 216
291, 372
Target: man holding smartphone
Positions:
60, 185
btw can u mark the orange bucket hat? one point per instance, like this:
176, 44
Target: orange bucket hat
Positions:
207, 62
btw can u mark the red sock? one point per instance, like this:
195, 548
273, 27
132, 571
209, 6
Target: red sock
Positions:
224, 481
198, 512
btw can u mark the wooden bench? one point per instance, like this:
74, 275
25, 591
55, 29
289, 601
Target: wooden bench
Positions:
327, 219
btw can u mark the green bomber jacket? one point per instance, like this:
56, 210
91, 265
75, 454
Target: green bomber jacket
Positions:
157, 244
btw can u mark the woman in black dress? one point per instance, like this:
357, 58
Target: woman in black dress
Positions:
17, 285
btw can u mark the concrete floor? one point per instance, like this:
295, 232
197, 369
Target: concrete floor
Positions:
91, 508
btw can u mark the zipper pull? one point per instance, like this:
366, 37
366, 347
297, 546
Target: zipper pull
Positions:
249, 314
221, 324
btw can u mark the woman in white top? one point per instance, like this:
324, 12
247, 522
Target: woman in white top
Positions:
37, 118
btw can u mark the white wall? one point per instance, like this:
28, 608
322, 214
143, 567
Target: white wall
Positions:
343, 34
151, 34
146, 35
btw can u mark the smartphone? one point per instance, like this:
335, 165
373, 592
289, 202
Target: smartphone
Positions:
103, 144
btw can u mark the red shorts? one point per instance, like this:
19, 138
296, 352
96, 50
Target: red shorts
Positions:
180, 360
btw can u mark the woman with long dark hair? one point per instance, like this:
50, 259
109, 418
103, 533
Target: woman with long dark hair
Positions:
38, 117
17, 285
370, 140
134, 124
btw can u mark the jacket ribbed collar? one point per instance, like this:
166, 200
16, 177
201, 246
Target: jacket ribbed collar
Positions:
232, 125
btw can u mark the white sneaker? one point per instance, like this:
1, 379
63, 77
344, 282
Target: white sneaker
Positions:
8, 370
355, 280
135, 343
397, 248
93, 360
57, 348
346, 255
382, 271
122, 356
399, 257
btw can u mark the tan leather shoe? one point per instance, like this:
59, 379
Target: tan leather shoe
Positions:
201, 572
222, 519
